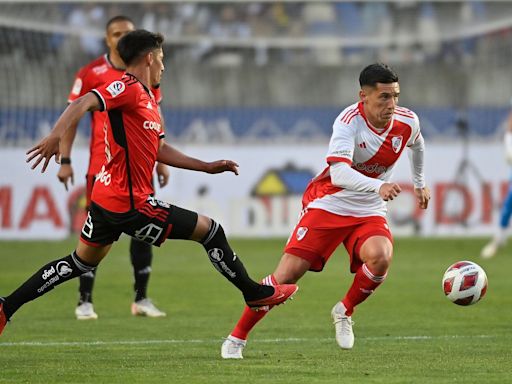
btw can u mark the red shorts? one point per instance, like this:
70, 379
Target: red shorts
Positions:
318, 233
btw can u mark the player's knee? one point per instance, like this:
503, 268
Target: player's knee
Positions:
378, 258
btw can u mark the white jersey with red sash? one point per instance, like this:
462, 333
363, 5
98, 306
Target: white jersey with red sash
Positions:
368, 151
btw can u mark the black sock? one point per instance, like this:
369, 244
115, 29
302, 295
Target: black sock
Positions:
44, 280
230, 266
85, 287
141, 255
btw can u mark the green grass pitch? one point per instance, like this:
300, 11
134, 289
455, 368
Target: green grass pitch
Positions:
407, 332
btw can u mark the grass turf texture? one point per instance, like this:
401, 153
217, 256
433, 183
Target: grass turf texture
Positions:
407, 332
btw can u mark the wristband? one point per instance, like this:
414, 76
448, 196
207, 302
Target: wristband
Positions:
65, 160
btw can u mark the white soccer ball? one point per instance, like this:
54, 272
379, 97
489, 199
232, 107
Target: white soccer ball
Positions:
464, 283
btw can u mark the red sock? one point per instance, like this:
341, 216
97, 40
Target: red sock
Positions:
250, 317
365, 282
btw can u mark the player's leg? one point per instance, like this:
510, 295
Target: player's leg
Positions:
211, 235
289, 270
158, 220
371, 251
84, 309
85, 258
312, 242
500, 237
376, 253
141, 256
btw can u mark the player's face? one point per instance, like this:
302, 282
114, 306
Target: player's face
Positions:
156, 67
380, 102
115, 31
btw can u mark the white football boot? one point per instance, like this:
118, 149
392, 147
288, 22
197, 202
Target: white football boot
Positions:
232, 348
85, 311
145, 307
490, 249
342, 326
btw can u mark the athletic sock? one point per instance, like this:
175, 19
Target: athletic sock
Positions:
249, 317
365, 282
141, 255
85, 286
230, 266
48, 277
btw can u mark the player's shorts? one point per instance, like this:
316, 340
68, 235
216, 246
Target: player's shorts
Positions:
152, 223
318, 233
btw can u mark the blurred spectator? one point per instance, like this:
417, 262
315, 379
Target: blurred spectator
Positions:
428, 31
88, 19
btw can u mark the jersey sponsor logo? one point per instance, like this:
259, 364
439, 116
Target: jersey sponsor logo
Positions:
153, 125
396, 143
100, 69
116, 88
48, 272
63, 268
301, 233
104, 177
77, 87
370, 168
215, 254
149, 233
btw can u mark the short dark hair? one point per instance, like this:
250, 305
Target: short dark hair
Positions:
138, 43
117, 19
377, 73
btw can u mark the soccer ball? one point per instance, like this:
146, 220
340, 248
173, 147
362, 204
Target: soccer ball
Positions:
464, 283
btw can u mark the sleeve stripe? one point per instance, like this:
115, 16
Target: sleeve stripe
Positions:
101, 99
335, 159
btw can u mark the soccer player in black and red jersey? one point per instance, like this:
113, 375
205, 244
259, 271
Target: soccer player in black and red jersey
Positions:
122, 200
105, 69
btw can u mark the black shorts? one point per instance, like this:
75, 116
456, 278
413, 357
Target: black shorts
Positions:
152, 223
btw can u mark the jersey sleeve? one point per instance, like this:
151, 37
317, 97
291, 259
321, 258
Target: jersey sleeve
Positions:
341, 146
114, 95
416, 130
81, 85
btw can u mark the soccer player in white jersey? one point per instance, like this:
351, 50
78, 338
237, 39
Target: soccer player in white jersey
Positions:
500, 234
346, 202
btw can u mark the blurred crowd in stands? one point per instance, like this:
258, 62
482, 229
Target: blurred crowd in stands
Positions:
424, 25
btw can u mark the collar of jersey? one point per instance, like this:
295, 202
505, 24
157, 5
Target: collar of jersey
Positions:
368, 124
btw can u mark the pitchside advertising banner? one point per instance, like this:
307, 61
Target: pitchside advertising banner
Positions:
265, 199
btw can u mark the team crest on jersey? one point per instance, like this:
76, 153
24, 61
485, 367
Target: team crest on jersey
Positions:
301, 232
396, 143
116, 88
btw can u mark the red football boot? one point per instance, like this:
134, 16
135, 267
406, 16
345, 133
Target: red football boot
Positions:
282, 293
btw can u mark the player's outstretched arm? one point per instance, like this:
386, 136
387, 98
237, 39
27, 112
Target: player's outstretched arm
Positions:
49, 145
171, 156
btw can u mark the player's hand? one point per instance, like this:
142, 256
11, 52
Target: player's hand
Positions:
44, 150
65, 174
162, 173
423, 197
388, 191
220, 166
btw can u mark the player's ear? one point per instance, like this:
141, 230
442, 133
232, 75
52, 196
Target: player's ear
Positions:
149, 58
362, 95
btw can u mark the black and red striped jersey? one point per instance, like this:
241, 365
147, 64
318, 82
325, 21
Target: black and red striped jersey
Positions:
132, 138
